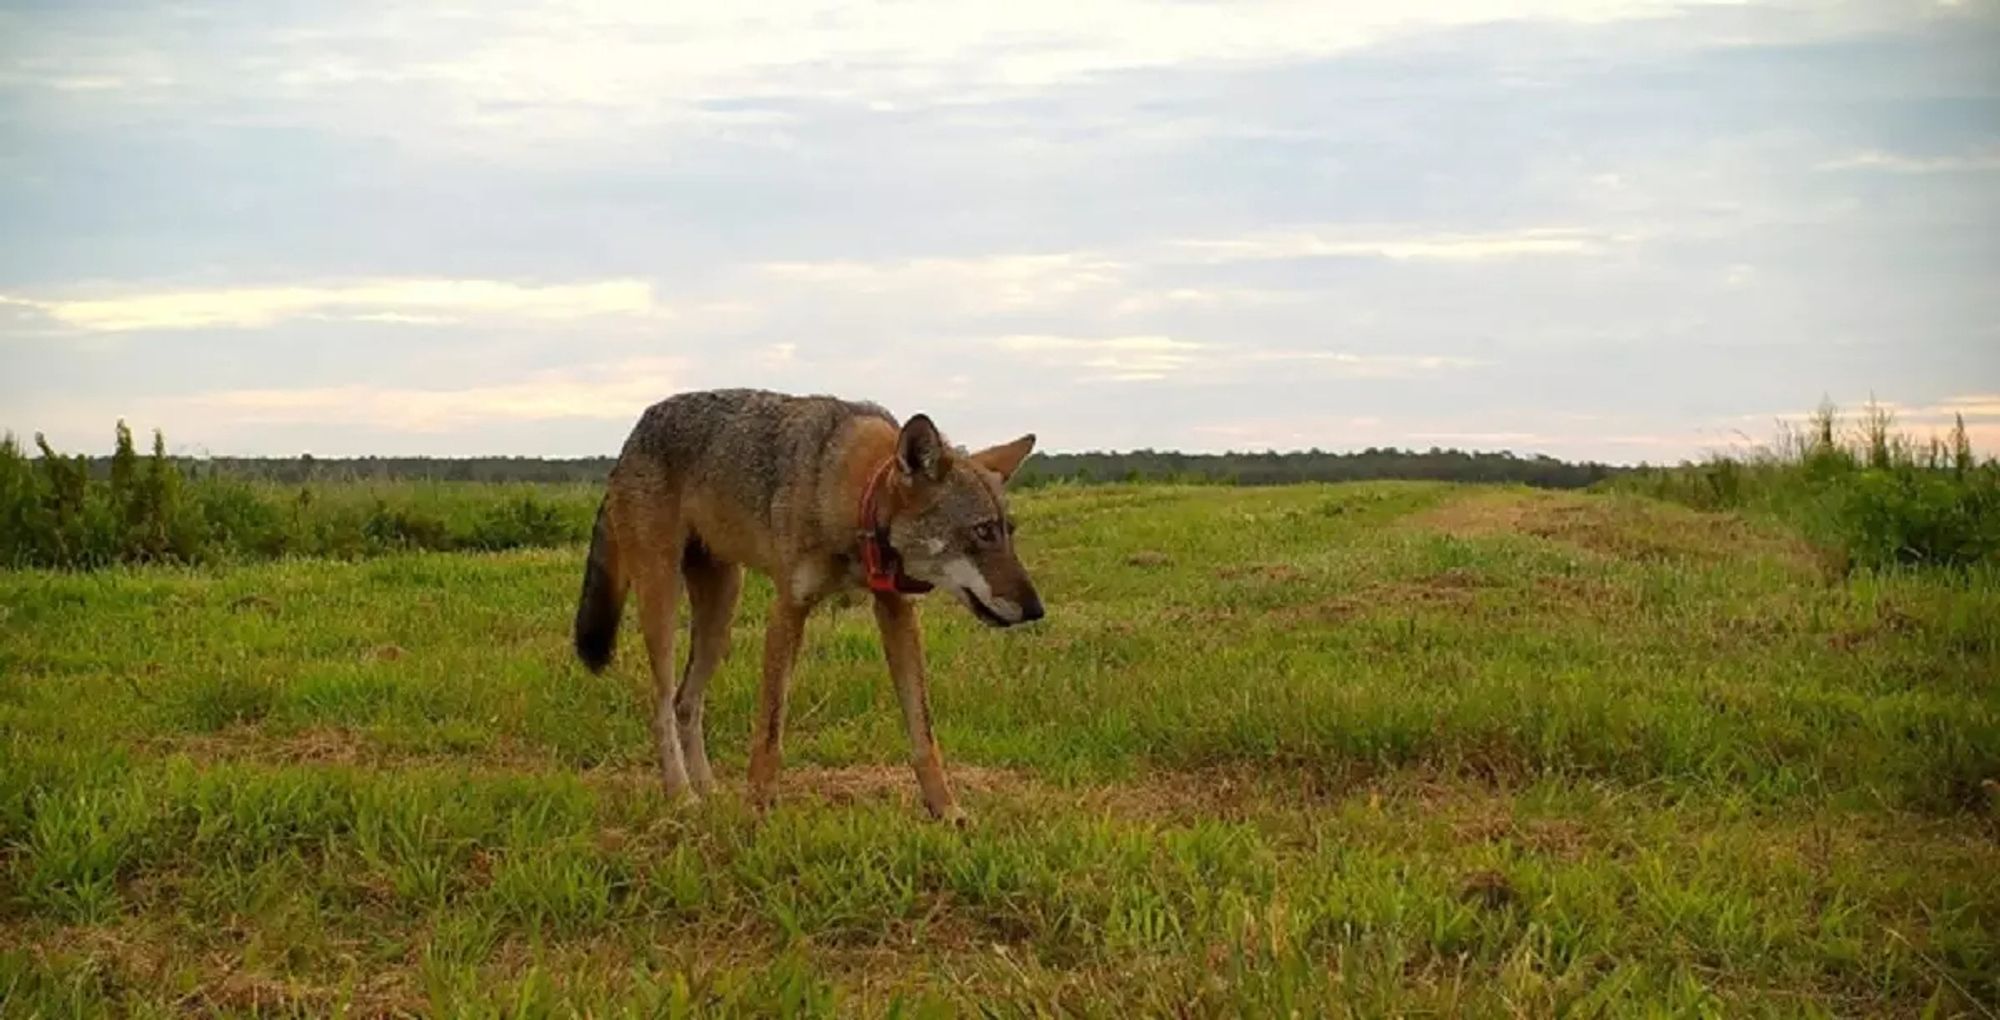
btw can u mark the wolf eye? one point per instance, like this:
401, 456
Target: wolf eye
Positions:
986, 533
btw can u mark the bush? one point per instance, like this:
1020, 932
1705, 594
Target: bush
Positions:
238, 518
1878, 497
1897, 515
55, 515
390, 527
523, 521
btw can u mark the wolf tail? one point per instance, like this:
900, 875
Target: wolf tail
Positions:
603, 598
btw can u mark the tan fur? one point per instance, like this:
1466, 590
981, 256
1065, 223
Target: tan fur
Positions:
713, 482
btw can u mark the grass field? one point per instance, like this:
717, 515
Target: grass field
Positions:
1377, 749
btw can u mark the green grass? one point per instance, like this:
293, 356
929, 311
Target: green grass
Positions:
1371, 749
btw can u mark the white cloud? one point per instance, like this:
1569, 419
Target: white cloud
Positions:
1401, 246
1121, 359
619, 52
1364, 366
616, 390
1122, 281
1295, 433
1480, 438
1901, 163
1971, 405
400, 319
528, 72
997, 281
1542, 433
389, 301
1979, 405
1154, 358
1175, 299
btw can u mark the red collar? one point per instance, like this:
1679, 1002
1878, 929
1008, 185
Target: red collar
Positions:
878, 557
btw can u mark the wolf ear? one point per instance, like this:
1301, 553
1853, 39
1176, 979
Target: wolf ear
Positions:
1005, 459
920, 449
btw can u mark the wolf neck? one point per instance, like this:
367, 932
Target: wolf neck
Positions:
864, 458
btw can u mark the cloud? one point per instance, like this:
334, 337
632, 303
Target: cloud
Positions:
1356, 432
1364, 366
1120, 359
405, 301
1900, 163
1155, 358
611, 391
1481, 438
1442, 247
1148, 278
998, 281
1971, 405
550, 67
1175, 299
1981, 405
1253, 211
1317, 431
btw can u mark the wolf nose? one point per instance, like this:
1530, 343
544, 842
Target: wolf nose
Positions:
1031, 608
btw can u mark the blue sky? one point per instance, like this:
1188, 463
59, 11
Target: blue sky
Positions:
1621, 230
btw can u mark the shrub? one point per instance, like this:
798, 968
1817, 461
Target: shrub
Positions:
522, 521
1899, 515
405, 528
1876, 496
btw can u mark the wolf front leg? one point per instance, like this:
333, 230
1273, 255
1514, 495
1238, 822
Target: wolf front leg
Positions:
903, 644
782, 635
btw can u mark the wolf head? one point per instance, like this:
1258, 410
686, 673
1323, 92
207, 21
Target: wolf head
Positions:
952, 528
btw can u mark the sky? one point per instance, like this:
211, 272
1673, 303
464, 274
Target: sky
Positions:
1629, 230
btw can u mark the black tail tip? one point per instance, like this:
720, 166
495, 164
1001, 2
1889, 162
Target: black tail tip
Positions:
597, 609
594, 651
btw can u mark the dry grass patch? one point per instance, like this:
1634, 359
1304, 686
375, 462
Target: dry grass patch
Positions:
1621, 528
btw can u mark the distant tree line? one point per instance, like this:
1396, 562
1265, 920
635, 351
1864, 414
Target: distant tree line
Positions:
1134, 466
308, 468
1433, 464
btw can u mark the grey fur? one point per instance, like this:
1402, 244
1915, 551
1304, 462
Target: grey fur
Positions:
744, 443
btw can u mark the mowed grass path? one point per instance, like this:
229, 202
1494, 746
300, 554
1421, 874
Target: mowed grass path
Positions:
1362, 749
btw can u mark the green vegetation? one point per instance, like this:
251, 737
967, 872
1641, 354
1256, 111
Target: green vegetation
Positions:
1873, 496
1376, 749
55, 511
78, 512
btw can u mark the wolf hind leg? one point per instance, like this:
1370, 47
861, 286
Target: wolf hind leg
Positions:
652, 530
713, 586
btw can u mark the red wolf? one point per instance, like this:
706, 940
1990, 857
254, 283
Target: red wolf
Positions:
822, 496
